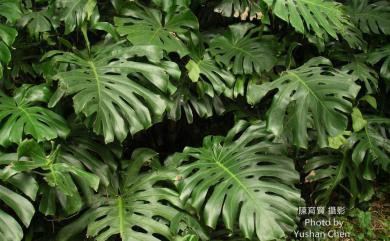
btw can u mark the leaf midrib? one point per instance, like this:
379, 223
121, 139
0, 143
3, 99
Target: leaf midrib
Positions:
30, 120
238, 181
302, 82
97, 79
121, 217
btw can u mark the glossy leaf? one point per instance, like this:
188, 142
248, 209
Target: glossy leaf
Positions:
117, 93
312, 96
364, 73
332, 172
74, 13
243, 51
206, 70
38, 22
319, 16
59, 175
10, 9
371, 145
23, 116
148, 26
381, 55
370, 18
132, 212
241, 178
7, 37
22, 208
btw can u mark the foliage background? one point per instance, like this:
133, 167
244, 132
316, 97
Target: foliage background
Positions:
192, 120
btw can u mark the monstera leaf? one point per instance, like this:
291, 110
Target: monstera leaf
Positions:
241, 178
242, 50
370, 18
10, 9
381, 55
330, 172
370, 145
319, 16
57, 174
243, 9
82, 147
184, 100
21, 115
7, 37
312, 96
153, 27
142, 209
38, 22
10, 229
117, 93
210, 77
364, 73
75, 12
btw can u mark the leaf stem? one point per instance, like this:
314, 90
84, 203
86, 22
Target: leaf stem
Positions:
85, 35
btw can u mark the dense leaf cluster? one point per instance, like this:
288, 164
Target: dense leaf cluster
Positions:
94, 96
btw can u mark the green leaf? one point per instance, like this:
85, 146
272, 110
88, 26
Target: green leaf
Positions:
336, 142
371, 144
20, 205
148, 26
214, 79
330, 172
58, 174
74, 13
243, 50
319, 16
131, 213
38, 22
363, 73
21, 116
7, 37
117, 93
10, 9
370, 100
312, 96
241, 178
193, 70
184, 100
370, 18
84, 148
358, 121
381, 55
10, 230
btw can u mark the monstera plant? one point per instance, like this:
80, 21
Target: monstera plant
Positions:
189, 120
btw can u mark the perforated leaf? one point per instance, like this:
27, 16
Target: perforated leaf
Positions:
242, 179
115, 91
312, 96
319, 16
148, 26
22, 115
243, 51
